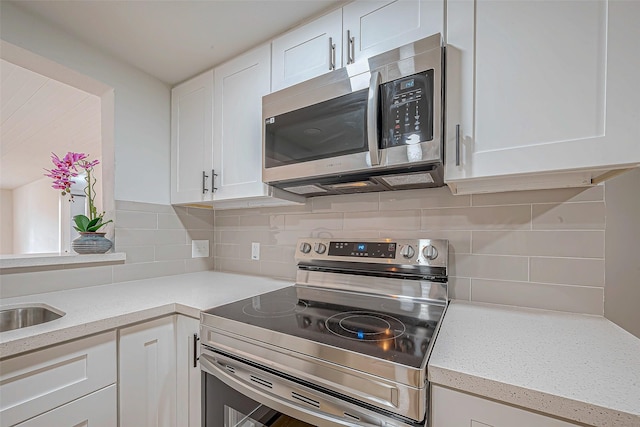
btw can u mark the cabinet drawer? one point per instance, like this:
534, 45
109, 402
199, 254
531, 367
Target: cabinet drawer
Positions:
37, 382
95, 410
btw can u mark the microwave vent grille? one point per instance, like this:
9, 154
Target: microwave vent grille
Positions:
305, 189
404, 180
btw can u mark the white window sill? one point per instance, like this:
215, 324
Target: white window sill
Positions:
54, 260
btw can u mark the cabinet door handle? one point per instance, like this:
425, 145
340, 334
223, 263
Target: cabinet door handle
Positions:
195, 350
351, 48
332, 54
213, 180
457, 145
204, 182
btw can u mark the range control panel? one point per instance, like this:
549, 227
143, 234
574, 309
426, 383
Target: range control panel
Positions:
363, 249
427, 252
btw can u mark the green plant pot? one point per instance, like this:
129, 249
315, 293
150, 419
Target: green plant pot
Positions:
91, 243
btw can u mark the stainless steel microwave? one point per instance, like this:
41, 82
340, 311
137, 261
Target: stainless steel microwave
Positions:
370, 126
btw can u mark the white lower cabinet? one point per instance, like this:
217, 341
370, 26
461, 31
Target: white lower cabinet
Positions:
147, 377
74, 384
188, 372
159, 380
35, 383
450, 408
97, 409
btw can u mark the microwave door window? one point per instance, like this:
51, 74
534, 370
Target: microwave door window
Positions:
329, 129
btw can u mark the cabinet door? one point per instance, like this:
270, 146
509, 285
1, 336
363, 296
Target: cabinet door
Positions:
373, 27
147, 378
240, 85
98, 409
37, 382
541, 86
192, 139
307, 51
451, 408
188, 372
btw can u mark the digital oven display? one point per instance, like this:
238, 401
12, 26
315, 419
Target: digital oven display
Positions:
363, 249
407, 84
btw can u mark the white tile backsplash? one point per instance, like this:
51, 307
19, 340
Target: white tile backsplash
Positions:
542, 249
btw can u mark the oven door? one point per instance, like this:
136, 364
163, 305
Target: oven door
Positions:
246, 394
225, 406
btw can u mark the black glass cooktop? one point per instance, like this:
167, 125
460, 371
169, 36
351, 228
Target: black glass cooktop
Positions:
393, 329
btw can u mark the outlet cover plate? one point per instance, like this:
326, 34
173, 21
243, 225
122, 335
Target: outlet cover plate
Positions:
199, 248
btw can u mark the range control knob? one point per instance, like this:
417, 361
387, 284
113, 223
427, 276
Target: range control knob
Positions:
407, 251
305, 248
320, 248
430, 252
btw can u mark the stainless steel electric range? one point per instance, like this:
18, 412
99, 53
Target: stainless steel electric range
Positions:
348, 344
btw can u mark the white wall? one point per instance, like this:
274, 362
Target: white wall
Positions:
36, 218
142, 103
6, 222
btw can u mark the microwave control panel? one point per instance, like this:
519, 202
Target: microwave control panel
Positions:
407, 112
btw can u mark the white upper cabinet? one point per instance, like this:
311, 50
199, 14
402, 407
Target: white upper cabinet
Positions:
544, 92
356, 32
192, 140
240, 85
307, 51
216, 140
373, 27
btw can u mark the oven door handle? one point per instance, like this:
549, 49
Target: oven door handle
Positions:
209, 365
372, 117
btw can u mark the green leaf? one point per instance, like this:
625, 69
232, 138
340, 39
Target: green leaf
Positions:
81, 221
99, 225
94, 222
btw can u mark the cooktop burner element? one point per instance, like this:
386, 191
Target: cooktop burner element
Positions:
365, 326
266, 308
351, 338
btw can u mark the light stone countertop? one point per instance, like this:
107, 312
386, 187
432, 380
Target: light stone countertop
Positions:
100, 308
579, 367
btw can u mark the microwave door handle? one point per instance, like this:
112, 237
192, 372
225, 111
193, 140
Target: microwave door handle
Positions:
372, 118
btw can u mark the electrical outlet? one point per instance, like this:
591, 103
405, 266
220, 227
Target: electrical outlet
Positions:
255, 251
199, 248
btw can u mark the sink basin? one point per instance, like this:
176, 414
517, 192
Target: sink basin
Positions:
22, 317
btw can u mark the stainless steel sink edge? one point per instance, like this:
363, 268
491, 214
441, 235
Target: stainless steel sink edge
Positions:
19, 316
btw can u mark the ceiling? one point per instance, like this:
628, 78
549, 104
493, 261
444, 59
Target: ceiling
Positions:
38, 116
170, 40
175, 40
